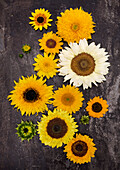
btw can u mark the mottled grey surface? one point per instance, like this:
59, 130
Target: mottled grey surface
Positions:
14, 32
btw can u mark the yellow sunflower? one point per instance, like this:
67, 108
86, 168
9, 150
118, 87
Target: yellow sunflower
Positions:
50, 43
80, 149
68, 98
30, 95
75, 24
97, 107
26, 48
56, 128
40, 19
46, 66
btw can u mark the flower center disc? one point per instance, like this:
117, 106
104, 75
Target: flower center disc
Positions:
67, 99
83, 64
79, 148
30, 95
51, 43
40, 19
57, 128
97, 107
25, 130
75, 27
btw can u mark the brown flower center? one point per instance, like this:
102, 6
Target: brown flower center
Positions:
97, 107
50, 43
31, 95
67, 99
40, 19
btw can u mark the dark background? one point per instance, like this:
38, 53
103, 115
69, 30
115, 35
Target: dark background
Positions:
16, 31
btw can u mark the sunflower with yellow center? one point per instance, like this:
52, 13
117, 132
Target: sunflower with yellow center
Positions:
56, 128
84, 64
75, 24
46, 66
68, 98
50, 43
30, 95
40, 19
97, 107
26, 48
80, 149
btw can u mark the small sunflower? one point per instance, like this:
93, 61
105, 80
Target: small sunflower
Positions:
26, 130
84, 119
80, 149
84, 64
97, 107
75, 24
40, 19
50, 43
56, 128
26, 48
46, 66
68, 98
30, 95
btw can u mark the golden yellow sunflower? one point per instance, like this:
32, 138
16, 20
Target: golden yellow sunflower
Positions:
40, 19
75, 24
80, 149
31, 95
50, 43
46, 66
56, 128
68, 98
26, 48
97, 107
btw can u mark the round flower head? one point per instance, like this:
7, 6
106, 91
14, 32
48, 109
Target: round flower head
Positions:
56, 128
26, 48
75, 24
40, 19
31, 95
84, 119
97, 107
84, 64
80, 149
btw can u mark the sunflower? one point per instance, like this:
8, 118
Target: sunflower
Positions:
56, 128
68, 98
40, 19
84, 119
26, 48
30, 95
46, 66
75, 24
80, 149
83, 64
97, 107
26, 130
50, 43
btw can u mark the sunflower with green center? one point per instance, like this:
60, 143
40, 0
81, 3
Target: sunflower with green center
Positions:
26, 48
56, 128
31, 95
26, 130
68, 98
46, 66
50, 43
84, 119
75, 24
40, 19
97, 107
80, 149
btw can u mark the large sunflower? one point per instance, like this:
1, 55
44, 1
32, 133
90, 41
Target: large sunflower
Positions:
50, 43
97, 107
75, 24
40, 19
80, 149
56, 128
84, 64
68, 98
46, 66
30, 95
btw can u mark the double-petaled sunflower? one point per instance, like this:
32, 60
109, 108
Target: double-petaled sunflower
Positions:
80, 149
31, 95
97, 107
40, 19
56, 128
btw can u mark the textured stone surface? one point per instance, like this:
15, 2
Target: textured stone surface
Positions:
14, 32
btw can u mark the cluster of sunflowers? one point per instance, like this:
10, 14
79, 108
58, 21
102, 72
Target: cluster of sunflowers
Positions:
83, 64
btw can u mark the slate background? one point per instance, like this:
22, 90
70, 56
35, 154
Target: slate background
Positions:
14, 32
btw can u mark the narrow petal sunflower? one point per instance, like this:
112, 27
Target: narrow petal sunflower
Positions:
30, 95
68, 98
80, 149
75, 24
97, 107
40, 19
26, 48
46, 66
56, 128
50, 43
84, 64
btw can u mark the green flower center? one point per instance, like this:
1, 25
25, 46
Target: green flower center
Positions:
97, 107
25, 130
